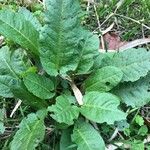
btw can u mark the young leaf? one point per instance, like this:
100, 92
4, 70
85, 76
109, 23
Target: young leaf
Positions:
101, 107
139, 120
15, 27
104, 79
31, 132
135, 94
134, 63
65, 141
11, 66
30, 17
86, 137
143, 131
40, 86
63, 111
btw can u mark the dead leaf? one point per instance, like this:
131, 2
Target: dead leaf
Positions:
113, 41
134, 43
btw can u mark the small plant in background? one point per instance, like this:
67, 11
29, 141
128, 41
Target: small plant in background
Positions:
74, 94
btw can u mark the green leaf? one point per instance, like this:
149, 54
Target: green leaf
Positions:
134, 63
143, 130
20, 91
2, 127
40, 86
86, 137
137, 145
15, 27
139, 120
89, 45
12, 64
64, 111
58, 48
5, 84
135, 94
65, 141
65, 45
30, 17
31, 132
104, 79
101, 107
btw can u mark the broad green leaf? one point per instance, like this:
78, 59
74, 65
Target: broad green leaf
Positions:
2, 127
135, 94
104, 79
59, 39
88, 49
65, 46
30, 17
40, 86
102, 107
31, 132
98, 60
20, 91
86, 137
15, 27
12, 64
63, 110
134, 63
65, 141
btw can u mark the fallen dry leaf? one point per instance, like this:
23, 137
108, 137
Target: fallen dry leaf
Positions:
113, 41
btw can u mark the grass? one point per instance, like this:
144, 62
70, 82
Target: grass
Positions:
128, 16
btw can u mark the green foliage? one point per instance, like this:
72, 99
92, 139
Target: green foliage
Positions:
65, 46
40, 86
101, 107
11, 67
63, 111
31, 132
134, 94
86, 137
15, 27
104, 79
143, 130
30, 17
139, 120
65, 141
57, 65
134, 63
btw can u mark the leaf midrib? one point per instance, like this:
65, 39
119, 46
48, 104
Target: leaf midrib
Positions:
10, 68
30, 135
103, 80
27, 39
40, 85
80, 133
98, 107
